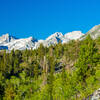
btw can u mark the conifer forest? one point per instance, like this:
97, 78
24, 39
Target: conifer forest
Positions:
69, 71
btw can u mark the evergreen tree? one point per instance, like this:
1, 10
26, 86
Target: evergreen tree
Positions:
50, 78
1, 86
88, 59
59, 50
17, 61
63, 76
36, 69
12, 58
41, 53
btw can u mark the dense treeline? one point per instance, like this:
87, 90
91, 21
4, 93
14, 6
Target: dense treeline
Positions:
62, 72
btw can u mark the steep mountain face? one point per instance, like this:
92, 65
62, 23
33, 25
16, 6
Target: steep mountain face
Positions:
9, 42
94, 32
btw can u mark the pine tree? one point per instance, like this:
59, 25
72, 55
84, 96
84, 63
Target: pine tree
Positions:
88, 59
51, 74
12, 58
36, 70
41, 53
17, 61
63, 75
59, 50
1, 86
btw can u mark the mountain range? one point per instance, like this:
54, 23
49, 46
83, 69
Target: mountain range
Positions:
9, 42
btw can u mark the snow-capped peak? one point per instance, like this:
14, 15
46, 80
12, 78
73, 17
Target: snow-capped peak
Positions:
10, 42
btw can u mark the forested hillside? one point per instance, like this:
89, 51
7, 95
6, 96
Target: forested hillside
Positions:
68, 71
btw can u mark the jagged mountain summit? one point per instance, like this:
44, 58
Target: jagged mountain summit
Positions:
58, 36
10, 42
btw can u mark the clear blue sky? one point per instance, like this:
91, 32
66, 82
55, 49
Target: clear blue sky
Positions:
40, 18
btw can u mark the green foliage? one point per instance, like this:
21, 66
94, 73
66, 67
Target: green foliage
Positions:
50, 78
88, 59
62, 72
